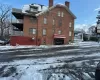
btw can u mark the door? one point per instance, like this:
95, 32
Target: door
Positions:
58, 41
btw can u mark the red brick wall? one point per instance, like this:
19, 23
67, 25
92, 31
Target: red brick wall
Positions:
27, 25
39, 25
49, 26
21, 40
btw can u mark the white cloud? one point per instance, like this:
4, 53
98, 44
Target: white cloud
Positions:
97, 9
83, 26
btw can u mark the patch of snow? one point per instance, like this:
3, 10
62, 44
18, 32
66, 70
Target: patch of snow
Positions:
86, 76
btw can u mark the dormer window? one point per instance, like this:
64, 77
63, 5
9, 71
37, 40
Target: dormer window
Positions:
33, 8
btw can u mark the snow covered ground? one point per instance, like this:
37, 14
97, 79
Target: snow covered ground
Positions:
29, 69
69, 67
82, 44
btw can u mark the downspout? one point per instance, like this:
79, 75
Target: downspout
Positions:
37, 33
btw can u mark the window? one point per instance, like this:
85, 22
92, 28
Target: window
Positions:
32, 31
33, 9
62, 14
70, 24
53, 30
44, 41
53, 22
59, 32
44, 32
70, 33
33, 20
60, 23
45, 20
58, 13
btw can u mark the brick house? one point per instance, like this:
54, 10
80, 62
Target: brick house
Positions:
39, 25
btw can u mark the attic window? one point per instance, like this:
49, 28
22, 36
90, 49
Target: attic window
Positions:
33, 8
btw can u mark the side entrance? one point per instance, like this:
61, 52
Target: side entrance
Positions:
58, 41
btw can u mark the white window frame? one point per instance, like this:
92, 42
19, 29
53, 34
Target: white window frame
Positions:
31, 9
70, 24
33, 31
59, 13
59, 32
44, 32
70, 33
53, 22
45, 20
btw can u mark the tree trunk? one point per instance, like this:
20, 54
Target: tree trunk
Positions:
2, 32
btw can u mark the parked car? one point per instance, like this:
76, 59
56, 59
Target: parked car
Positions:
4, 42
1, 42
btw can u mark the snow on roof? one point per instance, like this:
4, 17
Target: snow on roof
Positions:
59, 4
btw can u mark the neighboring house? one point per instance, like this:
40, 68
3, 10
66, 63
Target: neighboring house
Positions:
78, 34
39, 25
92, 30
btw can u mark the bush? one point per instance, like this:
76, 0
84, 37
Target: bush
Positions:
93, 38
85, 38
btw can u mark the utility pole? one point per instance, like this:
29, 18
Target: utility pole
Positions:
98, 26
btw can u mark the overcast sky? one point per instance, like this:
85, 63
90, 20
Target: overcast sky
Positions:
85, 10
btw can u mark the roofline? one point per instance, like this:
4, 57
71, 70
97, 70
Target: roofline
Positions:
54, 7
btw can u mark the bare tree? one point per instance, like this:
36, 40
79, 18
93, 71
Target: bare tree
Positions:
5, 15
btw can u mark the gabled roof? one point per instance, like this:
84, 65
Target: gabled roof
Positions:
58, 5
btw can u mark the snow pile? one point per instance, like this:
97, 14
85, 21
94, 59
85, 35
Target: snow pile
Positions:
87, 44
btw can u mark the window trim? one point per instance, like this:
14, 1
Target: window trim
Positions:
53, 21
59, 32
32, 31
70, 33
45, 20
43, 31
62, 14
59, 14
70, 24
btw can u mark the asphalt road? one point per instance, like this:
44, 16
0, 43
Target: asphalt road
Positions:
18, 54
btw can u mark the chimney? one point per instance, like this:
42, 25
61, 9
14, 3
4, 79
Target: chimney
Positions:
67, 3
50, 3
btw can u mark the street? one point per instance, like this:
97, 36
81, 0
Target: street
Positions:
33, 53
78, 61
